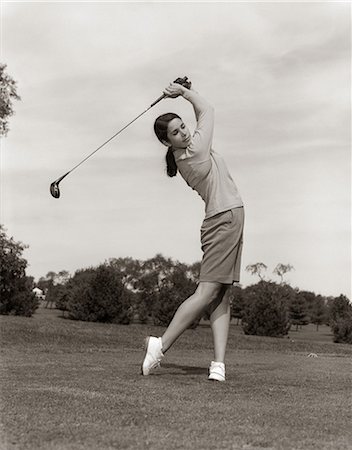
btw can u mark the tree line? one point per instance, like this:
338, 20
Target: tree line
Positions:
125, 290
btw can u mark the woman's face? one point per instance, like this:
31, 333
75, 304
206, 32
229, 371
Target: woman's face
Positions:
178, 134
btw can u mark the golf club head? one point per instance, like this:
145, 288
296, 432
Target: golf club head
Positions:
54, 189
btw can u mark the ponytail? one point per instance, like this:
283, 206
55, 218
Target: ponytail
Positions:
171, 167
160, 129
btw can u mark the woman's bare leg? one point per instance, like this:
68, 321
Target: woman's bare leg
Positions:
220, 322
205, 294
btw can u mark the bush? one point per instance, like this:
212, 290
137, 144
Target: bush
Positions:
266, 309
162, 286
97, 295
297, 308
339, 307
59, 295
341, 319
16, 289
237, 302
318, 313
77, 290
22, 302
174, 289
342, 330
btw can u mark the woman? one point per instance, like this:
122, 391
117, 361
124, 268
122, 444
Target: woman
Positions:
221, 233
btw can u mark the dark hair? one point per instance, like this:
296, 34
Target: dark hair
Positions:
160, 129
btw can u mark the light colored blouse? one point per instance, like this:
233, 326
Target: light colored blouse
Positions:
202, 168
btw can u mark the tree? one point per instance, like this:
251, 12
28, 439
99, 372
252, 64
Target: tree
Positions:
52, 279
318, 312
174, 289
339, 307
237, 302
16, 296
58, 295
257, 269
266, 309
8, 93
310, 299
100, 298
77, 293
62, 277
49, 285
193, 271
298, 311
129, 271
341, 319
44, 283
153, 271
163, 285
281, 269
342, 329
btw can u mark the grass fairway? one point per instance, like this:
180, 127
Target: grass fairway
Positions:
77, 385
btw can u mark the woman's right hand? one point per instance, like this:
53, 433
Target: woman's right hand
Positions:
174, 90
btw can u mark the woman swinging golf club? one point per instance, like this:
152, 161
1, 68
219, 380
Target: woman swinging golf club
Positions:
221, 233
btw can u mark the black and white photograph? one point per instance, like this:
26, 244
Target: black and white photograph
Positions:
175, 225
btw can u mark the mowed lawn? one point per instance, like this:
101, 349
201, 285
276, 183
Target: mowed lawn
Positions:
77, 385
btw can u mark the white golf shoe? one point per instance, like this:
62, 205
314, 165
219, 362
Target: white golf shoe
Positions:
217, 371
153, 354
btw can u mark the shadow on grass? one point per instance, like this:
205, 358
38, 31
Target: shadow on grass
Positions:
178, 369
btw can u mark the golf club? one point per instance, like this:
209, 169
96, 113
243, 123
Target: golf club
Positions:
54, 187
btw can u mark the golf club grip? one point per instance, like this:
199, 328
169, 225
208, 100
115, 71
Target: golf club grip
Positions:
182, 81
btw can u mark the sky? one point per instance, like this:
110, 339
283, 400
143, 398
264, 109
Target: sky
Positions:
279, 77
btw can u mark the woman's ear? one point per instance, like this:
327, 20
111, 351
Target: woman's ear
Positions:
165, 143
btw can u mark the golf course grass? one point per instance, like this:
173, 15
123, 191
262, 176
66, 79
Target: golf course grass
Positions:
77, 385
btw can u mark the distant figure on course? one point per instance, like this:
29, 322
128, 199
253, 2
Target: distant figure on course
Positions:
205, 171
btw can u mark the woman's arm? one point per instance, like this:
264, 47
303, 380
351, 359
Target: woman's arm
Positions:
204, 113
199, 104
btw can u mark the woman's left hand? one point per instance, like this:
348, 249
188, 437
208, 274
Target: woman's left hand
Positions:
174, 90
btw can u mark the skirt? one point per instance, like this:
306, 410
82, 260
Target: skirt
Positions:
222, 242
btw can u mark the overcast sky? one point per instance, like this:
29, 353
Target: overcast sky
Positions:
278, 75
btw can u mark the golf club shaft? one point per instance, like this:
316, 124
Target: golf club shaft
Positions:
54, 186
112, 137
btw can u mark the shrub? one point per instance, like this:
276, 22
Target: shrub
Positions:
339, 307
97, 295
266, 309
341, 319
237, 302
163, 285
78, 293
342, 330
59, 294
298, 311
174, 289
142, 310
23, 301
319, 311
16, 296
